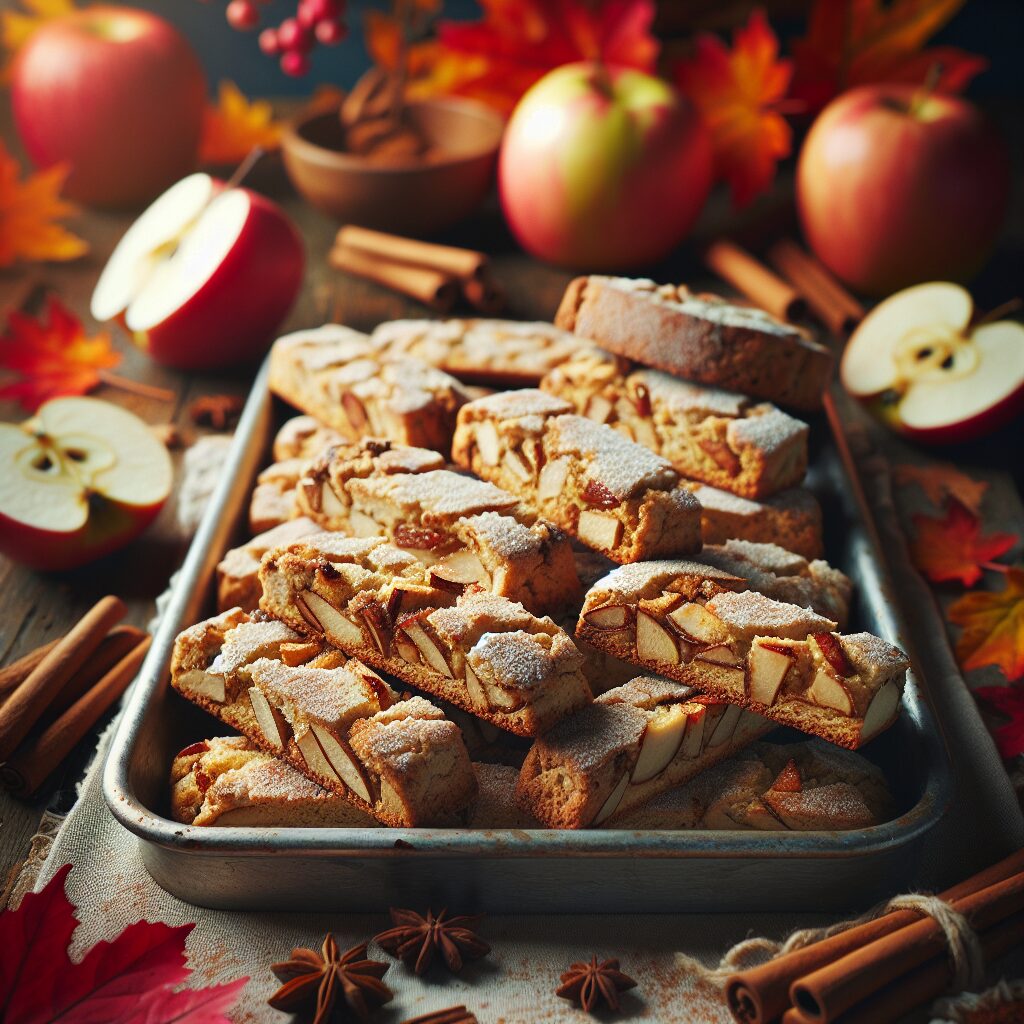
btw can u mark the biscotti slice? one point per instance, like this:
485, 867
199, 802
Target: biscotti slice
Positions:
614, 495
700, 337
791, 518
335, 374
464, 528
632, 743
331, 718
229, 781
273, 500
808, 786
303, 437
718, 437
502, 353
778, 659
238, 581
481, 652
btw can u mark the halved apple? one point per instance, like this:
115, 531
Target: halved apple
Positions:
918, 364
204, 277
80, 479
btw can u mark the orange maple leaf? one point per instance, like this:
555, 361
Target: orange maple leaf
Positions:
993, 626
517, 42
29, 211
941, 481
53, 356
850, 44
234, 126
1009, 700
738, 94
952, 548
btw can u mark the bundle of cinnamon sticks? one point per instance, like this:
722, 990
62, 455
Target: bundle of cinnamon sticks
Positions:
51, 697
436, 275
804, 284
879, 971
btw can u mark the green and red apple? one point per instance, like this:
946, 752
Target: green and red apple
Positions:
116, 93
896, 187
603, 167
918, 363
79, 480
204, 277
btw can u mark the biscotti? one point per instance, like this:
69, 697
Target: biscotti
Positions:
238, 572
483, 653
273, 498
334, 374
331, 718
698, 625
808, 786
303, 437
718, 437
791, 518
464, 528
700, 337
615, 496
502, 353
632, 743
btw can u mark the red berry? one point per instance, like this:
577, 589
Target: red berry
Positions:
329, 32
269, 42
306, 15
292, 37
295, 64
323, 10
242, 15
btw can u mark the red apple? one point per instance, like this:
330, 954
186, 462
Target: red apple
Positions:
204, 277
918, 364
603, 167
895, 187
118, 94
80, 479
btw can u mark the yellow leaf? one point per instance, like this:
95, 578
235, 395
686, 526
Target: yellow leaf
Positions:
29, 215
993, 627
235, 126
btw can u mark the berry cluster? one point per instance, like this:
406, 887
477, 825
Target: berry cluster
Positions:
315, 22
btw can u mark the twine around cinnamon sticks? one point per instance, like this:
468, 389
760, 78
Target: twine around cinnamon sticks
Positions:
51, 697
436, 275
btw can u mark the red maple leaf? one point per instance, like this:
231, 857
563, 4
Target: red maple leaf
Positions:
953, 548
738, 93
127, 981
1010, 701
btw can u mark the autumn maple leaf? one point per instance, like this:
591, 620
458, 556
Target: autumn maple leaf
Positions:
29, 211
738, 93
939, 482
993, 627
234, 126
850, 44
129, 980
1010, 701
953, 548
53, 356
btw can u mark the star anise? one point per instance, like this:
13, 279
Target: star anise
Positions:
414, 939
217, 411
588, 984
315, 981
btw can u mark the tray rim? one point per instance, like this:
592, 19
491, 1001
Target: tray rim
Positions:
209, 542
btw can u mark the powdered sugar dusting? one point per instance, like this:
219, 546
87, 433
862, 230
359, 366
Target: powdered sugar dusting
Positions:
525, 402
751, 611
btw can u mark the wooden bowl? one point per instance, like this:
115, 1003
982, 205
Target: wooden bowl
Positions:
412, 198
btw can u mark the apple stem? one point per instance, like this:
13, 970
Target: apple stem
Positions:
135, 387
1002, 310
242, 170
930, 84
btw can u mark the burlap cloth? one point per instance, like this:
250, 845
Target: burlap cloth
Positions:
515, 984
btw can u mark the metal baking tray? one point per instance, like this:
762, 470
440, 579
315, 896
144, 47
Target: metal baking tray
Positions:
366, 869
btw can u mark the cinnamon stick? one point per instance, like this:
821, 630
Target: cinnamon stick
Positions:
484, 295
113, 647
446, 259
434, 289
831, 990
30, 766
26, 705
837, 309
754, 279
13, 675
761, 994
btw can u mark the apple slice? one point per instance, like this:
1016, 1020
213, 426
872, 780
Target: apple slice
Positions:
613, 801
654, 642
918, 365
881, 712
80, 479
829, 692
204, 277
662, 739
341, 632
767, 666
271, 722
